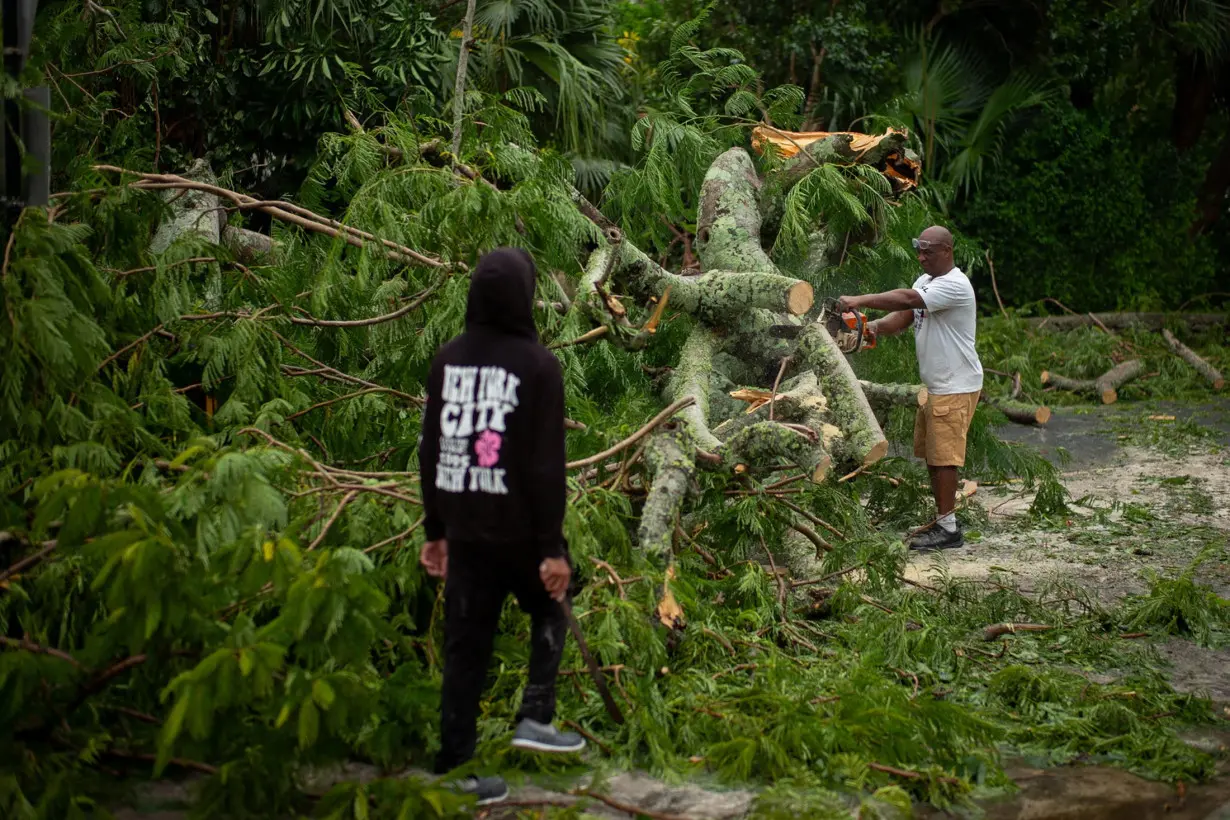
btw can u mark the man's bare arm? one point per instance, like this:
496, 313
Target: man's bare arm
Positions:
892, 324
900, 299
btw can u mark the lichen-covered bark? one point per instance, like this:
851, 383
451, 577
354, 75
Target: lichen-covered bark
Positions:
718, 297
190, 211
671, 458
248, 246
728, 219
753, 337
766, 441
908, 395
693, 377
863, 441
198, 214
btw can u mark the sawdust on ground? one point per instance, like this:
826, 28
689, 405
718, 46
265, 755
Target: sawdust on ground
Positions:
1143, 512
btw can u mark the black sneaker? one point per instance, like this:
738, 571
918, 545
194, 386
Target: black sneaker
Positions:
543, 737
488, 790
937, 538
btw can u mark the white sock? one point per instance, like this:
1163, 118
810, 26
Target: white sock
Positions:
948, 522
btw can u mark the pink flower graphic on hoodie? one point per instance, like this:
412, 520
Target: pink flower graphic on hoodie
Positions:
488, 448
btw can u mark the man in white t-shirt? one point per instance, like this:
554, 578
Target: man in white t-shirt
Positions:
941, 307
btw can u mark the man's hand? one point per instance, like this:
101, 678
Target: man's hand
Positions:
555, 574
847, 303
434, 557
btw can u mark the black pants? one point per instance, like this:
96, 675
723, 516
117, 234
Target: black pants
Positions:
480, 576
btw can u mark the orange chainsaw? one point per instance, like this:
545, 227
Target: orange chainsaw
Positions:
848, 328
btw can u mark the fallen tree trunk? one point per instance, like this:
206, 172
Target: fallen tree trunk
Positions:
741, 302
1106, 386
1121, 321
1191, 357
728, 219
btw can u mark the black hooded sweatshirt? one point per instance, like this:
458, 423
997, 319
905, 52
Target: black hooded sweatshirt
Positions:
491, 454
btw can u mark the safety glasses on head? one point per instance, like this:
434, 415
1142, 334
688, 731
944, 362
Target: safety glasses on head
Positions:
927, 244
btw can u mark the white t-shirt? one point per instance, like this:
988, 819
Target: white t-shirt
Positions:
944, 334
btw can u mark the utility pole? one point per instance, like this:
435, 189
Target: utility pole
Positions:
27, 130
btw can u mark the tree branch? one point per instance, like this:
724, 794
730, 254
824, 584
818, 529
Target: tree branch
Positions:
39, 650
319, 539
635, 437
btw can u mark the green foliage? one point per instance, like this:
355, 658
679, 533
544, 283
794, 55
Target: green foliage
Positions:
1180, 606
216, 501
1056, 232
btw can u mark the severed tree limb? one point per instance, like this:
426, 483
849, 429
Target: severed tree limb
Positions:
1191, 357
671, 459
1020, 412
1106, 386
692, 378
284, 211
863, 441
718, 296
908, 395
248, 246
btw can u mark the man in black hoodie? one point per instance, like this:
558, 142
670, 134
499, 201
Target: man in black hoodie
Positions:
492, 465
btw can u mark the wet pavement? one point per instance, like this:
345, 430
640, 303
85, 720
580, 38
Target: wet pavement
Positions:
1089, 435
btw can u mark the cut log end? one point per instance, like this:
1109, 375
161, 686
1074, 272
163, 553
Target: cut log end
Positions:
799, 299
822, 469
1110, 396
1045, 377
923, 395
877, 452
1042, 415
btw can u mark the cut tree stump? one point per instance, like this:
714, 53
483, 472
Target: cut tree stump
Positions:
1194, 359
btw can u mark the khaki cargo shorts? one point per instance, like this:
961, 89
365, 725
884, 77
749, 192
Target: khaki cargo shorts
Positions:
940, 428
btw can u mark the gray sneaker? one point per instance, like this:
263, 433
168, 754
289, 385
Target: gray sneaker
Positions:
488, 790
543, 737
938, 538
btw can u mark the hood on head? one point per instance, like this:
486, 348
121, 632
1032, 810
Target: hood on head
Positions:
502, 293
